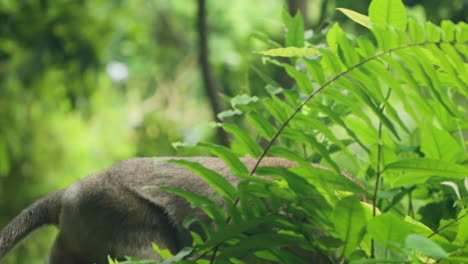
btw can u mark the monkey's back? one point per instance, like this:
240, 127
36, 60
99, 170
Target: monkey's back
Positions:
111, 212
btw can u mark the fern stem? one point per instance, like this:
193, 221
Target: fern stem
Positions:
341, 74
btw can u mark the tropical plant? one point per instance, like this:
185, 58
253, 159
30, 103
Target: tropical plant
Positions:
390, 107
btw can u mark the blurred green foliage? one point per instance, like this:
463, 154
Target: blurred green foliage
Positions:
62, 116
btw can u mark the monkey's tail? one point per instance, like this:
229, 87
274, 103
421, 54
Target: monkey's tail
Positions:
42, 212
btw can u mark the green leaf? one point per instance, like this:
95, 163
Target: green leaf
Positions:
356, 17
266, 129
380, 261
462, 229
314, 68
448, 30
243, 99
331, 62
227, 156
388, 228
416, 31
179, 256
209, 207
300, 136
223, 116
337, 119
366, 47
335, 34
265, 77
246, 142
280, 110
425, 246
298, 184
439, 144
301, 79
295, 29
164, 253
257, 242
236, 229
307, 121
265, 39
290, 52
388, 13
433, 32
429, 167
349, 220
215, 180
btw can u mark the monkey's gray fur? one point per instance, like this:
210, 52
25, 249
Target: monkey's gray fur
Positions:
108, 213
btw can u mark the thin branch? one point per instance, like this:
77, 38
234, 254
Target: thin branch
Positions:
378, 176
448, 224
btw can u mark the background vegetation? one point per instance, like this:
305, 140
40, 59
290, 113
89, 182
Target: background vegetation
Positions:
68, 107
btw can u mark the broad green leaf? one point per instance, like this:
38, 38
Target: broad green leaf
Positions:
349, 220
295, 29
388, 13
429, 167
227, 156
215, 180
291, 52
368, 134
246, 142
356, 17
426, 246
462, 234
439, 144
388, 228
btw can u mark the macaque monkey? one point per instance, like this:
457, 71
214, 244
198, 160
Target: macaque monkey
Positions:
110, 213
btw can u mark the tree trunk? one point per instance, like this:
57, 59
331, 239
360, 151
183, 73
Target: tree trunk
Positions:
208, 80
